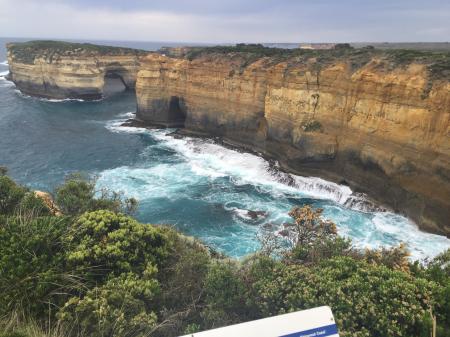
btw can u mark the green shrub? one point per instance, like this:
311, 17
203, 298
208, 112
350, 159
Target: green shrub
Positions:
394, 258
119, 259
101, 243
27, 51
32, 278
78, 195
438, 271
3, 171
121, 307
367, 300
225, 294
182, 282
103, 273
33, 205
13, 334
321, 250
10, 195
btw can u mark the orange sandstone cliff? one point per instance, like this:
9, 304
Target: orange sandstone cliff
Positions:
375, 120
376, 124
55, 69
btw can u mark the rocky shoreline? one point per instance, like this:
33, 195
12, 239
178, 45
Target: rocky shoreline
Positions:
366, 202
376, 121
379, 128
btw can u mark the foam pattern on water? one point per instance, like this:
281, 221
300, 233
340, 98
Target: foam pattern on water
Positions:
207, 190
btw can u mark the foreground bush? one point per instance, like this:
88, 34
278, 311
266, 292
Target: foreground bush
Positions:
32, 276
367, 300
103, 274
78, 194
15, 199
103, 243
119, 259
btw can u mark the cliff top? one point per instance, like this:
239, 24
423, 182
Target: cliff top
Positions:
27, 51
437, 62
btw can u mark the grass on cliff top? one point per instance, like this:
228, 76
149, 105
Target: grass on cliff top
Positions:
438, 62
26, 51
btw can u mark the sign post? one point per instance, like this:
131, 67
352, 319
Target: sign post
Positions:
317, 322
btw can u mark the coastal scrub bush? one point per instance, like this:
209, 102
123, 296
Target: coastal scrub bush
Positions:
103, 274
120, 307
367, 300
182, 282
78, 194
119, 259
225, 295
438, 271
394, 258
10, 195
3, 170
103, 243
16, 199
32, 277
312, 239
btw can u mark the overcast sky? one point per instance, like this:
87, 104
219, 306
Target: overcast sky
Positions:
229, 20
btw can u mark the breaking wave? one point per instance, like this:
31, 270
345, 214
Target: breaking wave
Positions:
252, 191
51, 100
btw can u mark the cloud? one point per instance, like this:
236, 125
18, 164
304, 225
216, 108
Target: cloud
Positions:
228, 21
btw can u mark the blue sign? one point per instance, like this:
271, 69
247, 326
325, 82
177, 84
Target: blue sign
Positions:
324, 331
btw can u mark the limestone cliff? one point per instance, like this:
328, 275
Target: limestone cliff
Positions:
377, 122
70, 70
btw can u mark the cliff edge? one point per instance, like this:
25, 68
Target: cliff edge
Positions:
54, 69
376, 120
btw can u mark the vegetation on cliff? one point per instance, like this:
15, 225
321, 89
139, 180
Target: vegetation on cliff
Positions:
95, 271
437, 62
26, 52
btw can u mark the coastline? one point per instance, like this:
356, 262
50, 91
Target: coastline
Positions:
377, 204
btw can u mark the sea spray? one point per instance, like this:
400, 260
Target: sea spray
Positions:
199, 175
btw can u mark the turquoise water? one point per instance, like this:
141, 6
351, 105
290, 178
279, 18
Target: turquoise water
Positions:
198, 186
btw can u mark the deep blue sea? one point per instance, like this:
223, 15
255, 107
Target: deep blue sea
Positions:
198, 186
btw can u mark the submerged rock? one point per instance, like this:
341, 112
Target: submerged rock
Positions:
255, 215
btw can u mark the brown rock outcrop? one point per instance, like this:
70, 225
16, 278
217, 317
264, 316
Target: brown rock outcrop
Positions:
383, 130
48, 201
62, 70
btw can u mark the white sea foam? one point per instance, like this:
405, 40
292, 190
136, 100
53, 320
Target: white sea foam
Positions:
130, 114
161, 181
3, 80
4, 63
203, 159
115, 125
54, 100
246, 168
421, 244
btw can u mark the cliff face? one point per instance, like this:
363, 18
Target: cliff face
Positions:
382, 129
69, 70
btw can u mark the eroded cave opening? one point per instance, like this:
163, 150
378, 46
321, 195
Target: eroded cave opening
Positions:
176, 115
114, 84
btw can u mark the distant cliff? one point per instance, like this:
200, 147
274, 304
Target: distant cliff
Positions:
54, 69
378, 121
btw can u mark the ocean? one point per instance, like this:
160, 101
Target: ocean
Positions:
198, 186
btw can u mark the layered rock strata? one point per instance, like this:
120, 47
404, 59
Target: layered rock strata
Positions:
375, 120
69, 70
382, 129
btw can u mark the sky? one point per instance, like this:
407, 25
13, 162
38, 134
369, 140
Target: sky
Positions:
229, 21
